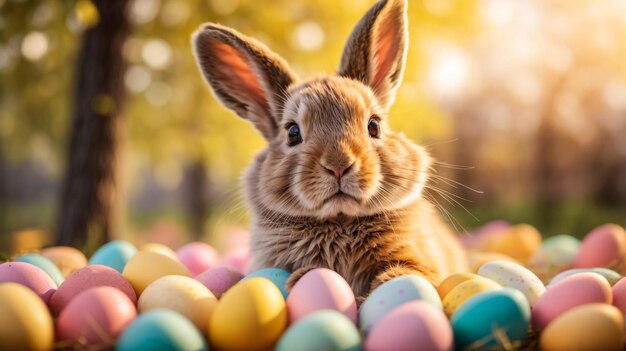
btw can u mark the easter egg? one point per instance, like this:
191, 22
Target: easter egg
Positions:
572, 291
484, 233
479, 320
478, 259
96, 317
462, 292
451, 281
197, 257
87, 278
147, 266
520, 242
604, 246
393, 293
30, 276
589, 327
159, 248
250, 316
415, 325
67, 259
515, 276
45, 265
321, 330
181, 294
320, 289
239, 259
219, 279
25, 321
610, 275
619, 295
114, 254
275, 275
557, 251
161, 329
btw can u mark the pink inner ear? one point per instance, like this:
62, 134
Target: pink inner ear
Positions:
386, 48
237, 73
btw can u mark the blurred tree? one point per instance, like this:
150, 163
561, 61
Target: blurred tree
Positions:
87, 208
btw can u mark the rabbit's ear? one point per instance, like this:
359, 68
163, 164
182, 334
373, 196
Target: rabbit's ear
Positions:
244, 74
376, 50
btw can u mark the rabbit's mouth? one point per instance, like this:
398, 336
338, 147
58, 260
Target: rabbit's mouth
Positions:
339, 196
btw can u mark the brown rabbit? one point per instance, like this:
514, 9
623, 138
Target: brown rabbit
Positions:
335, 187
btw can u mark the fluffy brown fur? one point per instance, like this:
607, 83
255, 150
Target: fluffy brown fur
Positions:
342, 198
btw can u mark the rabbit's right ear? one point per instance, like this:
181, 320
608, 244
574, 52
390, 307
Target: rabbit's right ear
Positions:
244, 74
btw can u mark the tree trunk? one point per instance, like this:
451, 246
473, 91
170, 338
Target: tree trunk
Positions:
85, 217
197, 198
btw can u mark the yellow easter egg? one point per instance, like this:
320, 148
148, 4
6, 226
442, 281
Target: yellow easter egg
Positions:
25, 323
520, 242
67, 259
146, 266
453, 280
465, 290
159, 248
250, 316
184, 295
594, 326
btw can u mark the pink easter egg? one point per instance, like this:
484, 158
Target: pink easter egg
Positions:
239, 259
619, 295
575, 290
198, 257
415, 325
605, 246
321, 289
484, 232
219, 279
87, 278
95, 318
30, 276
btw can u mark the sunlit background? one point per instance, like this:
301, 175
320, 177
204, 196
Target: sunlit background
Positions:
522, 102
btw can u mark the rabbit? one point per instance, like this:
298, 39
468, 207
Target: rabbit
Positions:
335, 187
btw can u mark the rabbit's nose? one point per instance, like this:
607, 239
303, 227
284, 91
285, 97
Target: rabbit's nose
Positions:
338, 171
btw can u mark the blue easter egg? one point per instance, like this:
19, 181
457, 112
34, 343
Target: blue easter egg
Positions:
114, 254
275, 275
161, 329
322, 330
479, 320
45, 264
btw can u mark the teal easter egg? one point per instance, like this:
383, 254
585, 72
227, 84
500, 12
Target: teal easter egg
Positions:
480, 319
45, 265
394, 293
114, 254
275, 275
161, 329
611, 276
558, 251
321, 330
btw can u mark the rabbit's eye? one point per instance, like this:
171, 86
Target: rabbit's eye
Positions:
373, 127
293, 135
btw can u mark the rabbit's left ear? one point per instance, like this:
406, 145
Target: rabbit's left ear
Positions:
376, 50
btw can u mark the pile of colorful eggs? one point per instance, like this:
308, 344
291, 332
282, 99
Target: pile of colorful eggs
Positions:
157, 299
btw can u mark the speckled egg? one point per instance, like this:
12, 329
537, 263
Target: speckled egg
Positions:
95, 318
25, 321
159, 248
414, 325
67, 259
520, 242
147, 266
321, 330
556, 252
610, 275
45, 264
478, 321
619, 295
589, 327
114, 254
30, 276
451, 281
161, 329
321, 289
275, 275
87, 278
198, 257
392, 294
573, 291
477, 259
604, 246
250, 316
219, 279
464, 291
515, 276
181, 294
